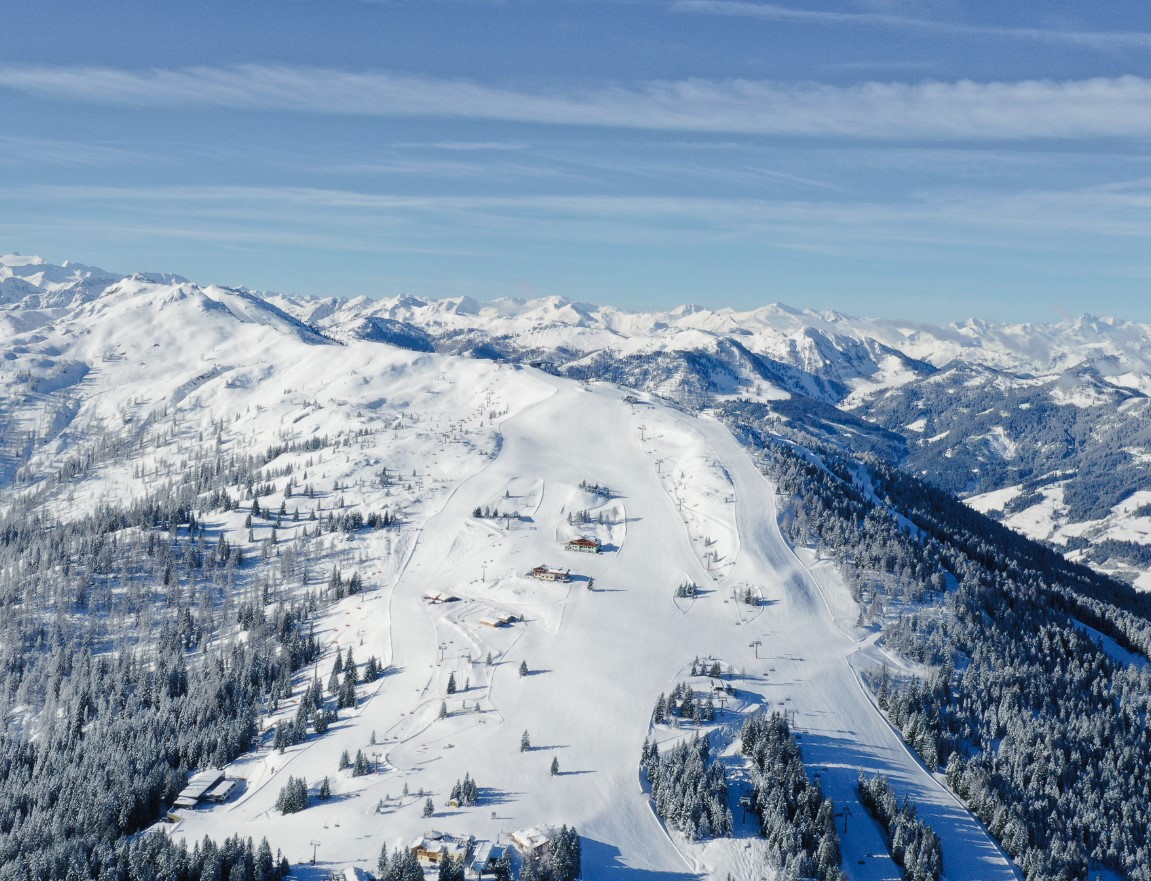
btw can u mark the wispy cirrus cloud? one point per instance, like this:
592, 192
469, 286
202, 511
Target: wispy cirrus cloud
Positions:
77, 153
1099, 107
1103, 40
1121, 208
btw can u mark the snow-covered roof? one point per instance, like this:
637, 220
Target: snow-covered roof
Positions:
533, 837
200, 784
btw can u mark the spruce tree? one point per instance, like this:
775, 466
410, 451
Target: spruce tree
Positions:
361, 766
347, 696
293, 797
469, 792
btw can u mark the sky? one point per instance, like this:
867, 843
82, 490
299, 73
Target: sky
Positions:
892, 158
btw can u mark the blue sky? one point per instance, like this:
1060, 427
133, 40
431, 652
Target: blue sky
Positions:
930, 160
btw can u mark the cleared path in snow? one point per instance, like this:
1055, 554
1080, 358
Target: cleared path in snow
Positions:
808, 665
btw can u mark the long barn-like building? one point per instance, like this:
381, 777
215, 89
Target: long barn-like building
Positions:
210, 785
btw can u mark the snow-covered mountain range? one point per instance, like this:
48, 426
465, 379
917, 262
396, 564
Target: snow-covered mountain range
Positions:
243, 490
1042, 425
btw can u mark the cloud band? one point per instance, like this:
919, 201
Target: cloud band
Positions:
1100, 107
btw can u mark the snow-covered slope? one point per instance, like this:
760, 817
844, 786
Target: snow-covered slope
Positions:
599, 657
976, 407
114, 394
1042, 404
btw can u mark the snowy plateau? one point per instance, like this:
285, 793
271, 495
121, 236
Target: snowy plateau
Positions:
480, 439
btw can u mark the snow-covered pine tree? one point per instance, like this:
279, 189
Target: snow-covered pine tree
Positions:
361, 766
293, 796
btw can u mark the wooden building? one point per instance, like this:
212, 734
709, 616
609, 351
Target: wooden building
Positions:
433, 847
546, 573
584, 545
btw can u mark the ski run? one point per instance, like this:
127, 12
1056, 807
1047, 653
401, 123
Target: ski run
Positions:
687, 505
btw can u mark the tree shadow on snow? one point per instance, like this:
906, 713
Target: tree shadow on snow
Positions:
601, 860
490, 796
335, 797
305, 871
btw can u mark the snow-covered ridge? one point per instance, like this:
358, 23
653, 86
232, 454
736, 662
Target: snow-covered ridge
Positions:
864, 353
901, 376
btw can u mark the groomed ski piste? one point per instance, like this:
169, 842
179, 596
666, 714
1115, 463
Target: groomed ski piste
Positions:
688, 504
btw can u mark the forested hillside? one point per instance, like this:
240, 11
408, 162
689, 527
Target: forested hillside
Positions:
1033, 709
263, 539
